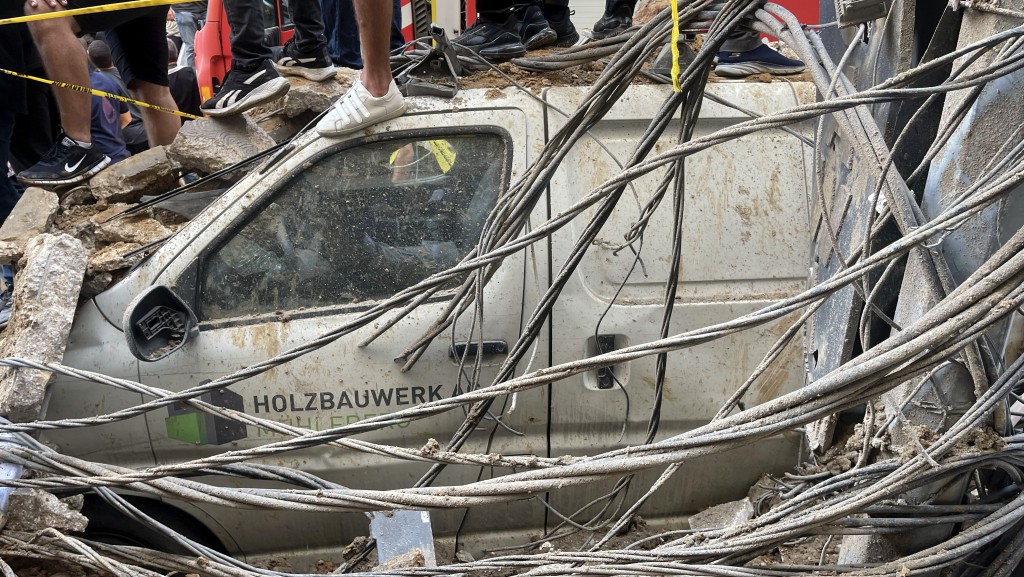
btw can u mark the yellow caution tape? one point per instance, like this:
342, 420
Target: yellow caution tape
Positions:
100, 93
91, 10
675, 46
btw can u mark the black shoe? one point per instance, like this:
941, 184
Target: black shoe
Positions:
315, 66
533, 28
558, 20
244, 90
493, 40
65, 163
620, 20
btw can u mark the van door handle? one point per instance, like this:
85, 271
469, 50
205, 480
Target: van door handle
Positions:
457, 350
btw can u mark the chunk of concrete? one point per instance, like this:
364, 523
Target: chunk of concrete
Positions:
208, 145
95, 284
138, 228
148, 172
45, 298
646, 10
731, 514
32, 216
306, 95
33, 510
113, 257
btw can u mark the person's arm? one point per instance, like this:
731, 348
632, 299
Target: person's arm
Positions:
126, 119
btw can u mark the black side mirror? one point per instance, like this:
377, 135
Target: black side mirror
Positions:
157, 323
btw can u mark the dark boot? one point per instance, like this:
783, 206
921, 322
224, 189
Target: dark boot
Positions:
493, 40
533, 28
620, 20
558, 20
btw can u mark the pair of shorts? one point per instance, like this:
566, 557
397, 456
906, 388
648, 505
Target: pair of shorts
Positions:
137, 39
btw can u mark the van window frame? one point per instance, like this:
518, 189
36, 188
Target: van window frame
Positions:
192, 276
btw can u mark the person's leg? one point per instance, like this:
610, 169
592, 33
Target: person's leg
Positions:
309, 25
161, 127
375, 37
617, 18
332, 25
306, 54
65, 61
556, 12
743, 54
73, 158
534, 30
187, 27
349, 49
374, 97
741, 40
495, 34
397, 38
8, 194
35, 130
253, 79
248, 50
140, 54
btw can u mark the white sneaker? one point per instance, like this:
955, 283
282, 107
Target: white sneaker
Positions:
358, 109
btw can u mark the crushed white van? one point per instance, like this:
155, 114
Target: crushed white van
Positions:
319, 235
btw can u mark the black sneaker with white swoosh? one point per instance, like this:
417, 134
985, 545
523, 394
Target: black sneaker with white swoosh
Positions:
66, 163
315, 66
244, 90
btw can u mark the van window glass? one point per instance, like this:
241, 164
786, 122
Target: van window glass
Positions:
358, 224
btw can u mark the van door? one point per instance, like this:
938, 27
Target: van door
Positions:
311, 246
745, 239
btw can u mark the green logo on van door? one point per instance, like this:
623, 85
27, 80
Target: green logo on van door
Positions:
190, 425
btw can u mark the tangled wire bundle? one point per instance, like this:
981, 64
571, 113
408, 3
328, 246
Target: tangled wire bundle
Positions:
864, 499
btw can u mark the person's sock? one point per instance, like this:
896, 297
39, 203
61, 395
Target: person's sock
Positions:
85, 145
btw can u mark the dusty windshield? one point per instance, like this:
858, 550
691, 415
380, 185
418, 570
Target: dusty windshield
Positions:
359, 224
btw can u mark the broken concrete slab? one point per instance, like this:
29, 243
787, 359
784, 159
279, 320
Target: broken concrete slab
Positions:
33, 510
306, 95
113, 257
731, 514
137, 228
208, 145
95, 283
148, 172
45, 299
32, 216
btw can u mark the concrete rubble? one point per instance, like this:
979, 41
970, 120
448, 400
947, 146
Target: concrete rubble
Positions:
45, 299
731, 514
307, 96
149, 172
207, 145
35, 510
32, 216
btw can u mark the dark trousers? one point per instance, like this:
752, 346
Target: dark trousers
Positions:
34, 131
397, 39
245, 17
343, 33
8, 194
498, 10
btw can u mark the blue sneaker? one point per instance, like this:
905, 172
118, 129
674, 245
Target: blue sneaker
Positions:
760, 59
